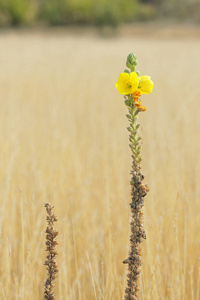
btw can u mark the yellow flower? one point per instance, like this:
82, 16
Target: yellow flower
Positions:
146, 85
127, 83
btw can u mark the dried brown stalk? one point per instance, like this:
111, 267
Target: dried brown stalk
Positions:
134, 261
50, 261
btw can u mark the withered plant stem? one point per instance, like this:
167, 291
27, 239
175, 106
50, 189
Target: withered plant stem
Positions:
50, 261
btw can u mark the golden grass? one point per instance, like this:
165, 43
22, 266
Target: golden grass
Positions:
64, 140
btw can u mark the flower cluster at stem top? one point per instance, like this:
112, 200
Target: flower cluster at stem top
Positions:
129, 83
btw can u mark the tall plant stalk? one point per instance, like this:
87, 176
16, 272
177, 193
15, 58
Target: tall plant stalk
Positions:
132, 86
138, 192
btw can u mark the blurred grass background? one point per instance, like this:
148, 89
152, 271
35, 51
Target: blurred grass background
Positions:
98, 12
64, 140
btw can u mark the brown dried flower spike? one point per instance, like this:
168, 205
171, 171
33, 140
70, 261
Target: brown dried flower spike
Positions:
50, 262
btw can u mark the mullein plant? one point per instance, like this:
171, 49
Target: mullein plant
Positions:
132, 86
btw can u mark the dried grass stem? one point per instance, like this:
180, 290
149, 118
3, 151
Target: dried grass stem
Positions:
50, 262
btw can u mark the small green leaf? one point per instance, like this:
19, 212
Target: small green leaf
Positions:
136, 112
128, 116
127, 102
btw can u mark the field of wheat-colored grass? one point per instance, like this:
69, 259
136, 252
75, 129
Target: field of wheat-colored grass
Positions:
64, 140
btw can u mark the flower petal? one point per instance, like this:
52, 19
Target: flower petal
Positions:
146, 85
134, 79
124, 77
121, 84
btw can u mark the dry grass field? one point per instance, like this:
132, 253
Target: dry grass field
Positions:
64, 140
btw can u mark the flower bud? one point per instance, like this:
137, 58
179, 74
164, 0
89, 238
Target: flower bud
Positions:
142, 108
127, 71
131, 61
137, 104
